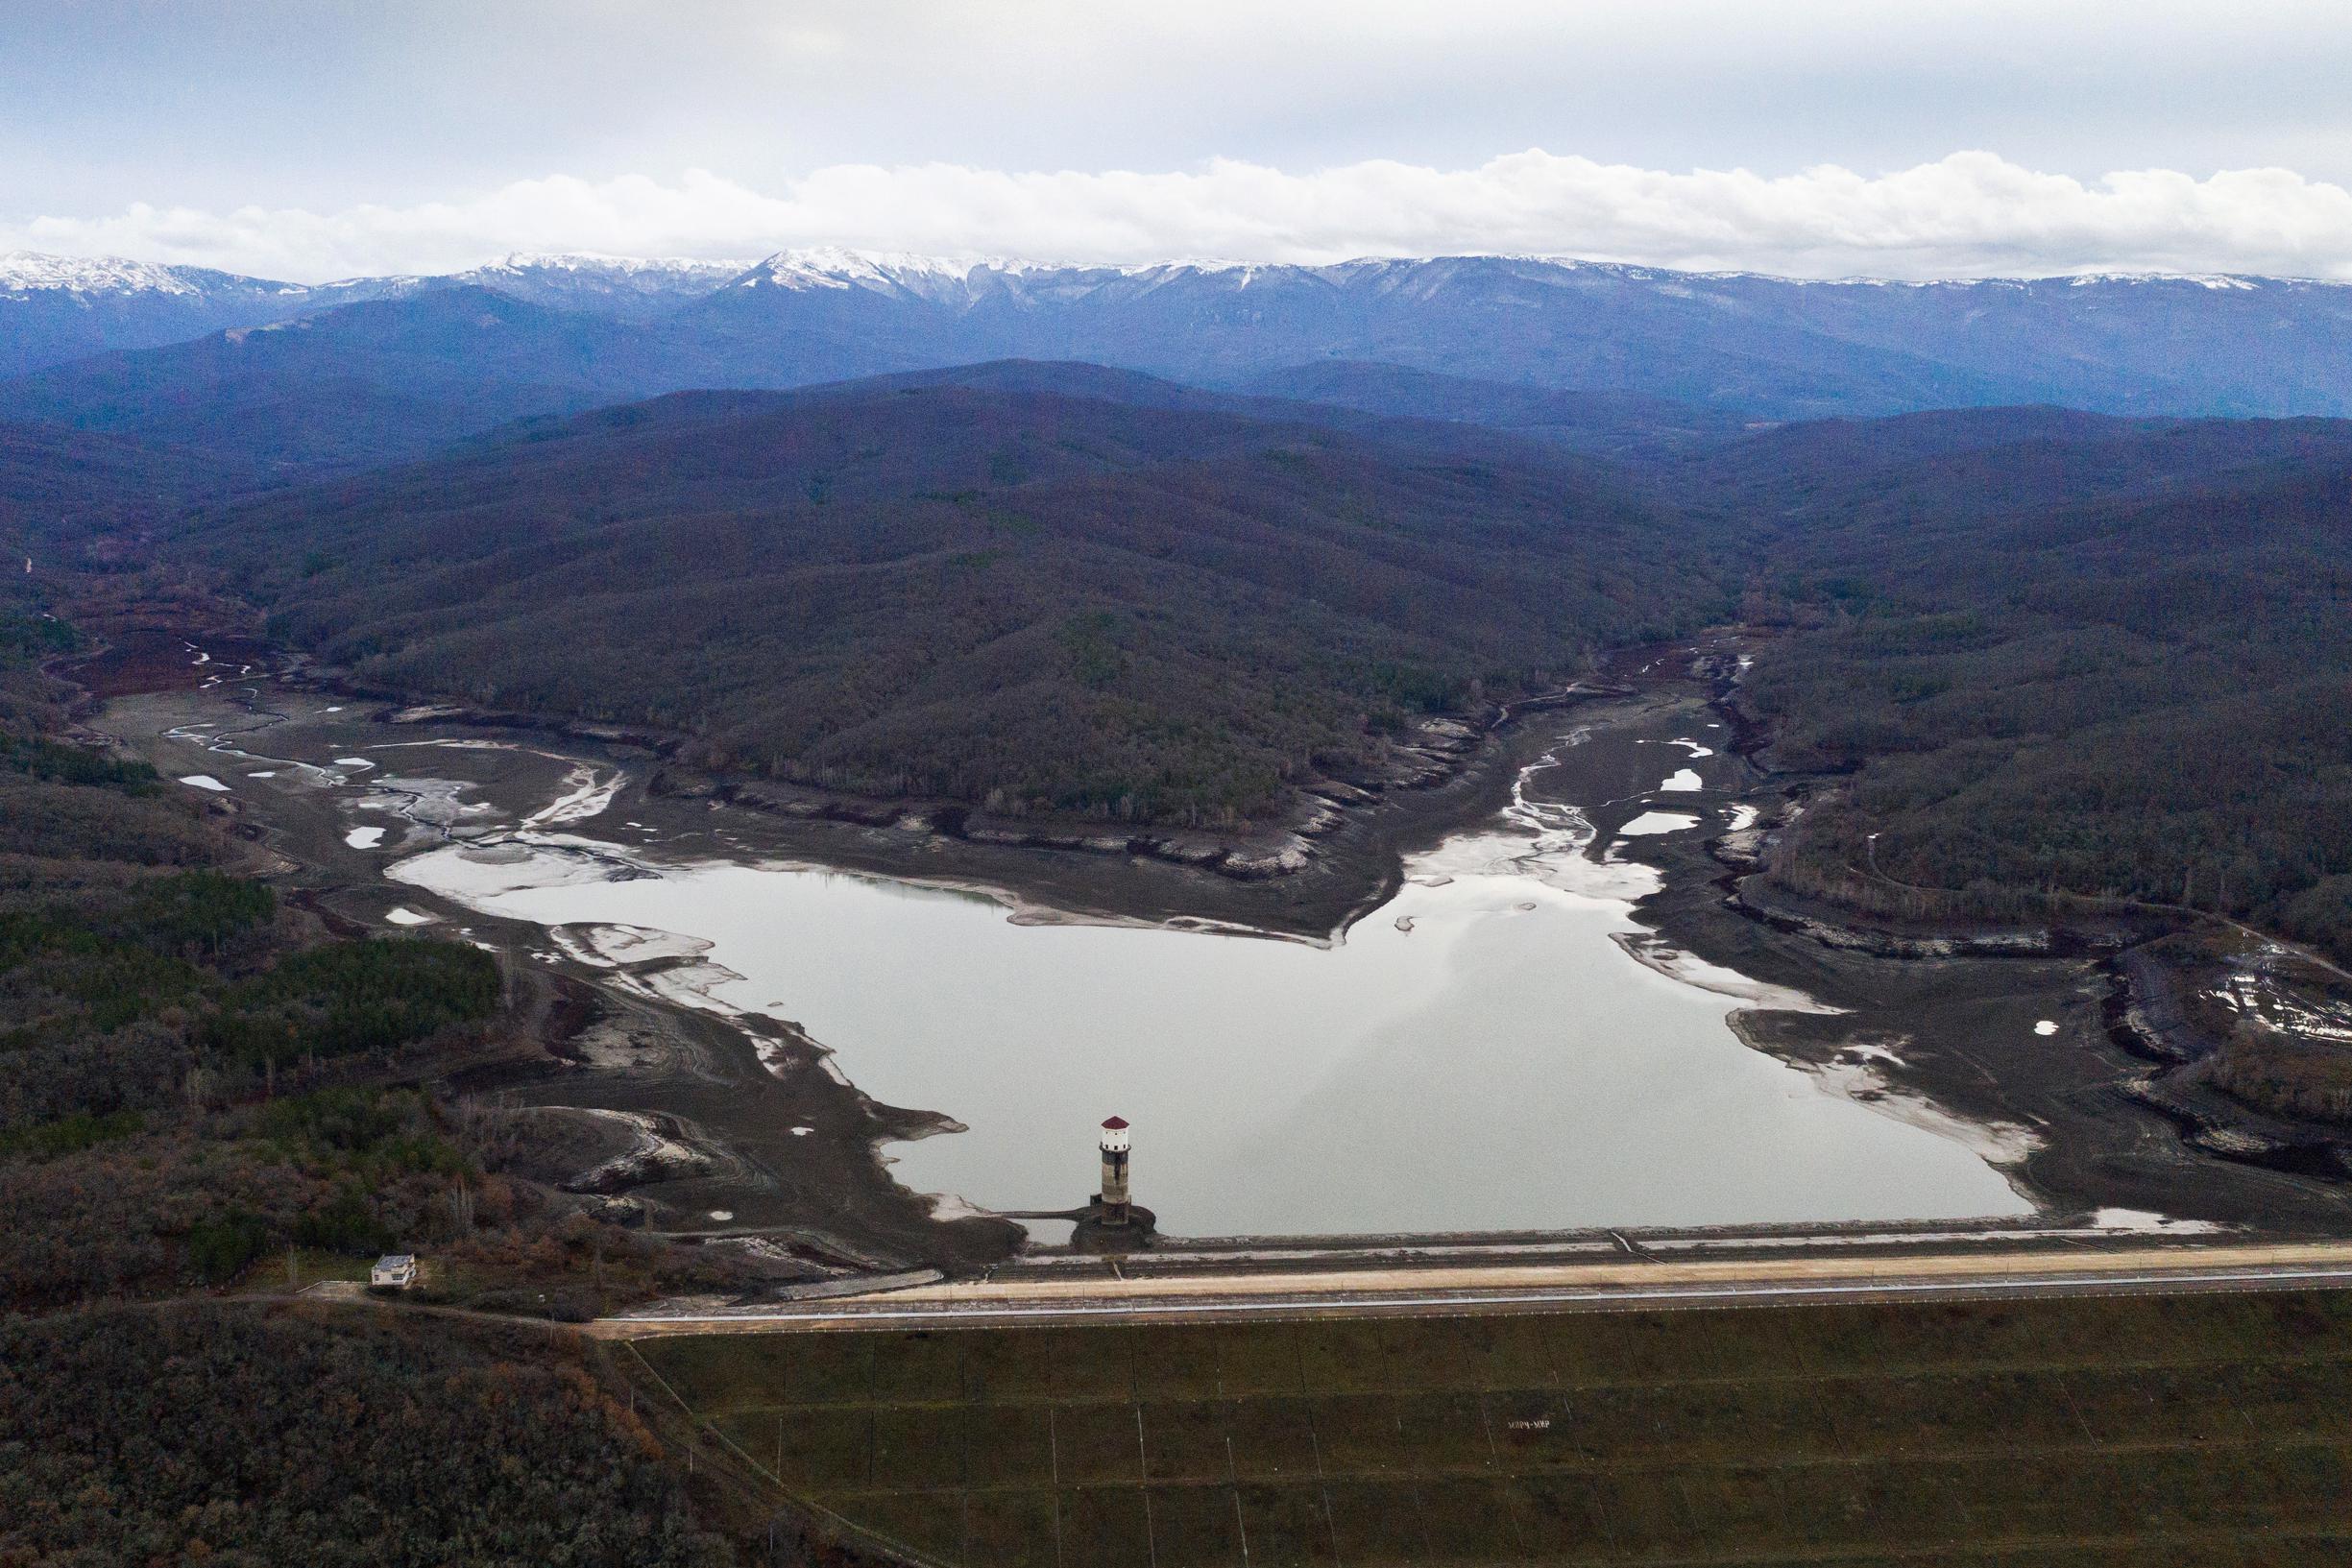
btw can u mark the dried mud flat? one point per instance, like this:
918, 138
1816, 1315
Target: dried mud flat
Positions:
774, 1145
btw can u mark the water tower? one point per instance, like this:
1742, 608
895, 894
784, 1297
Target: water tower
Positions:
1112, 1199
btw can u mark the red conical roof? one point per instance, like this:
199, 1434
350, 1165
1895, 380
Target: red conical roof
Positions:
1115, 1124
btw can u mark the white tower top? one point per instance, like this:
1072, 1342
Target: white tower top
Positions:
1114, 1136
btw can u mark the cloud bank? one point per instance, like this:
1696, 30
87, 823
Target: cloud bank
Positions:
1971, 214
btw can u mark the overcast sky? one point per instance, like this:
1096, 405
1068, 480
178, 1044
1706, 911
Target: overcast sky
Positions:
313, 138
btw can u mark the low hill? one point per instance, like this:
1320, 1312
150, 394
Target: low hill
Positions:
1018, 598
1398, 423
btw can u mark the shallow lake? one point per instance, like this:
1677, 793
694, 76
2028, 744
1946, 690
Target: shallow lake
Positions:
1481, 1053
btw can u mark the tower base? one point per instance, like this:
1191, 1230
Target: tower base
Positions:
1094, 1233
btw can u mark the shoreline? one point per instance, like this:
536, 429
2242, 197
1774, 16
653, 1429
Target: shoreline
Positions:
1332, 851
1037, 884
1554, 844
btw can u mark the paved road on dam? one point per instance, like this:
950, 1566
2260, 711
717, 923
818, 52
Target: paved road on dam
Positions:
1629, 1285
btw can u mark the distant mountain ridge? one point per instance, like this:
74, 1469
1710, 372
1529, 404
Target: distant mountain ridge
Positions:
55, 309
371, 382
58, 309
1773, 348
1740, 344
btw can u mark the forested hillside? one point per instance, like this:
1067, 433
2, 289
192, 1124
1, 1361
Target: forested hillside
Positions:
2067, 656
184, 1076
74, 498
196, 1076
1623, 425
1012, 597
199, 1433
2066, 652
204, 1091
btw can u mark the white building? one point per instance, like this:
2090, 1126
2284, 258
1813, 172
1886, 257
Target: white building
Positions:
394, 1271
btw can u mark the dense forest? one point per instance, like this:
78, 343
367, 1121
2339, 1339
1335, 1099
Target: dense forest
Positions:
1017, 599
195, 1078
2062, 653
231, 1435
188, 1077
204, 1093
2065, 656
1619, 425
80, 499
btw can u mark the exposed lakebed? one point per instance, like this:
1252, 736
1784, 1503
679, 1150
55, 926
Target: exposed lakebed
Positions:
1496, 1048
1504, 1041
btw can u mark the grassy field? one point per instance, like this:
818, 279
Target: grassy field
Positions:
2154, 1431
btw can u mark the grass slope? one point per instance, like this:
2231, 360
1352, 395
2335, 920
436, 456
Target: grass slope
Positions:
2152, 1431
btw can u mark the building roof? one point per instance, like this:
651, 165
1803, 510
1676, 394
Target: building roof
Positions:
397, 1259
1115, 1124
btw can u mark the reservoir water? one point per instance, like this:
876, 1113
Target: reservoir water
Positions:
1480, 1054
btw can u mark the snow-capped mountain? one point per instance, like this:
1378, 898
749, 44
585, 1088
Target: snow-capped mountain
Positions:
57, 308
628, 288
24, 273
1770, 346
1756, 345
877, 272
